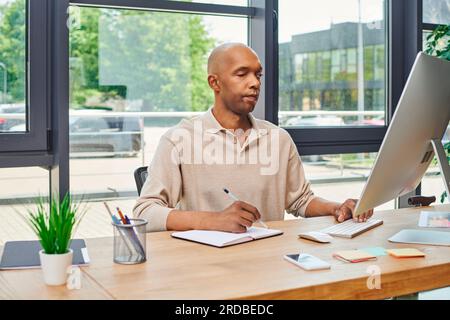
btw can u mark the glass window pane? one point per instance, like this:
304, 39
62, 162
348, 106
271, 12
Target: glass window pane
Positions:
12, 65
332, 63
436, 11
18, 189
133, 75
432, 182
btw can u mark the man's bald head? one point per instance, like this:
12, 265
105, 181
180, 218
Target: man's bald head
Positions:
234, 74
221, 55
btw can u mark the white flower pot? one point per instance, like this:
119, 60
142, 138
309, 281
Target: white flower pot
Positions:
54, 267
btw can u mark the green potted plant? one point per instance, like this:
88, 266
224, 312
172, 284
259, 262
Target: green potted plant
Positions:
54, 227
438, 44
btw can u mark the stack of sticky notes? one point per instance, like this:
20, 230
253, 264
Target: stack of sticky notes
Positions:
405, 253
376, 251
354, 256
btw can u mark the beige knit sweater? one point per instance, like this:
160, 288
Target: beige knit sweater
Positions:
197, 158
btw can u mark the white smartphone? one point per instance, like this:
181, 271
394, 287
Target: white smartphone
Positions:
307, 261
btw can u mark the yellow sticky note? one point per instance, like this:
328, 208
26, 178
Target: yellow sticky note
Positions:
354, 255
405, 253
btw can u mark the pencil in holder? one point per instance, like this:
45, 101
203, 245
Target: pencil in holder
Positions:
130, 242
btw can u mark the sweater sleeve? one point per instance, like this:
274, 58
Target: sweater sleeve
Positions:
162, 190
298, 188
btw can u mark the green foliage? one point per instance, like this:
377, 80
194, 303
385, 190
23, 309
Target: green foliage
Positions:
438, 42
158, 57
54, 227
12, 48
443, 196
84, 57
199, 46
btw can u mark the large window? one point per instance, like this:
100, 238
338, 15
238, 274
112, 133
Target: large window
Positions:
435, 12
94, 86
134, 74
332, 63
126, 74
18, 188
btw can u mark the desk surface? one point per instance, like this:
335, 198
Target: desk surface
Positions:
178, 269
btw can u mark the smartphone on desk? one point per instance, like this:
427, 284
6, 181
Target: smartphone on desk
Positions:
307, 261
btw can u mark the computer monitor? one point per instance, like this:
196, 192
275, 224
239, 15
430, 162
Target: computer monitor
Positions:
413, 136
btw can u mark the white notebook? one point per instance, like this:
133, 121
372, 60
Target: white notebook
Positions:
223, 239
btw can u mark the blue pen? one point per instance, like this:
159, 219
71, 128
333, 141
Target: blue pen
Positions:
135, 237
113, 217
115, 220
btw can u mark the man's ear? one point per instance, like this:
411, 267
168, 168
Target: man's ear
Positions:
213, 82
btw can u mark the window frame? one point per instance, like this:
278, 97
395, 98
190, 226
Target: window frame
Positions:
429, 26
51, 37
36, 86
169, 6
60, 174
336, 140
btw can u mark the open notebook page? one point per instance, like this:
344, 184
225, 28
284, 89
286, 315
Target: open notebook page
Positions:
221, 239
258, 233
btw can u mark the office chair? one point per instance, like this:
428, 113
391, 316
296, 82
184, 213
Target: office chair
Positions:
140, 175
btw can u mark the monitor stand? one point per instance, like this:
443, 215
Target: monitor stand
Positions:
430, 237
439, 151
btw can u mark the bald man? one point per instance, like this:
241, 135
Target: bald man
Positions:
226, 147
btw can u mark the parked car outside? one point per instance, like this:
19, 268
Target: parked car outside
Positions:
95, 133
6, 123
375, 121
315, 121
104, 134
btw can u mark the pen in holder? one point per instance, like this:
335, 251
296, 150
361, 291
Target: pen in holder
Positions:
129, 242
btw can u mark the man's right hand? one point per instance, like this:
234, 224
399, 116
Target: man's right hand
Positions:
237, 217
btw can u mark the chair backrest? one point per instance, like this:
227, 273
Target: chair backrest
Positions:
140, 175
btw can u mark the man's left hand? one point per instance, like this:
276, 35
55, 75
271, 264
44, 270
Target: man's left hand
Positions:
345, 212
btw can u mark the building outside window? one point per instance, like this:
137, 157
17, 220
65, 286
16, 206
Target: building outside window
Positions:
325, 69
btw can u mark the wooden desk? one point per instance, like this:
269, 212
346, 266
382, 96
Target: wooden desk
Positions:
178, 269
29, 285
